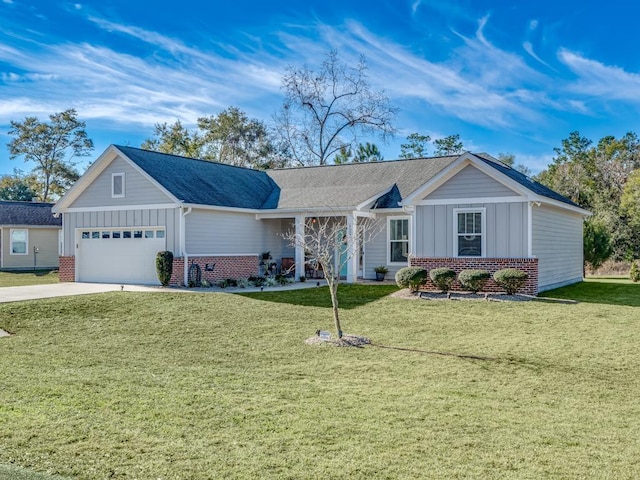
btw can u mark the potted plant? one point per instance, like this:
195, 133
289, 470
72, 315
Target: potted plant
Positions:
381, 271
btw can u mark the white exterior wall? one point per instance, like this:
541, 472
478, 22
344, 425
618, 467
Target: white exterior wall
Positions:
558, 245
137, 188
506, 234
153, 217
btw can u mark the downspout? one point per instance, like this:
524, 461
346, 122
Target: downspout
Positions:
183, 243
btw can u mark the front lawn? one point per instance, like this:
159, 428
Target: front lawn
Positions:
28, 277
162, 385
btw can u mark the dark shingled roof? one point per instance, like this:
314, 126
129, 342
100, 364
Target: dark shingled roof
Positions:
209, 183
206, 183
527, 182
354, 183
27, 213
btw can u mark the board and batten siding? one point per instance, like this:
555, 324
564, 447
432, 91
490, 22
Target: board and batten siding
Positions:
506, 233
144, 217
471, 183
138, 190
45, 239
558, 245
376, 249
212, 232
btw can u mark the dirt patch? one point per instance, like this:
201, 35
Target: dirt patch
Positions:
347, 340
465, 296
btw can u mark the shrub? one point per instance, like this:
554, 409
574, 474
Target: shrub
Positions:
443, 278
411, 277
634, 273
473, 280
511, 279
381, 269
164, 267
256, 281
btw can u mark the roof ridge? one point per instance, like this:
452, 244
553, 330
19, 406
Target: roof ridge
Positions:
188, 158
395, 160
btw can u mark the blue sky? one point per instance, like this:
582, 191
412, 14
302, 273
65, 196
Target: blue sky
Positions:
510, 77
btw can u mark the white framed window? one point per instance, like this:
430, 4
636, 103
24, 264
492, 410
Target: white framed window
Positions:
469, 239
19, 241
398, 238
117, 185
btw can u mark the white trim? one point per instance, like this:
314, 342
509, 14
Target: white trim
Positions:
409, 237
94, 171
224, 255
463, 201
530, 229
113, 185
483, 233
1, 247
372, 199
307, 212
112, 208
26, 246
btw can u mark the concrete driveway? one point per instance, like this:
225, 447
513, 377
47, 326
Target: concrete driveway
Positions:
34, 292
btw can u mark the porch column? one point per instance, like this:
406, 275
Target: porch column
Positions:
299, 231
352, 246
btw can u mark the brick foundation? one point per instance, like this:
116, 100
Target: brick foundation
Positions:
67, 269
528, 265
225, 267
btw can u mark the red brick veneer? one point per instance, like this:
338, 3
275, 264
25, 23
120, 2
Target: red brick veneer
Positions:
67, 269
528, 265
225, 267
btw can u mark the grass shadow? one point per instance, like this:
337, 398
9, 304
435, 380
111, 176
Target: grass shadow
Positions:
349, 295
602, 290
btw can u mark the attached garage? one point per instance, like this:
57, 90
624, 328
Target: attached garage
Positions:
119, 255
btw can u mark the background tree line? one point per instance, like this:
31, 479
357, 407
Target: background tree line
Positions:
324, 115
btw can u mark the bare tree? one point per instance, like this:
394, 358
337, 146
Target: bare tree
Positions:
327, 243
326, 110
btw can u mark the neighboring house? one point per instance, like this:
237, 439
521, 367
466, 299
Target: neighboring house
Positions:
464, 211
29, 235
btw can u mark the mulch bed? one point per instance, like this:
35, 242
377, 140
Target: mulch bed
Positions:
488, 297
347, 340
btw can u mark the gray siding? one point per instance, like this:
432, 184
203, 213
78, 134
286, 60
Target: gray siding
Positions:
46, 239
272, 240
375, 251
153, 217
214, 232
471, 183
138, 190
506, 229
557, 242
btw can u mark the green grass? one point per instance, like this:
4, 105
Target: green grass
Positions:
170, 385
28, 277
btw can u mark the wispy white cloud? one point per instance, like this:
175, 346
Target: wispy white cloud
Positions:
533, 24
414, 6
601, 81
528, 47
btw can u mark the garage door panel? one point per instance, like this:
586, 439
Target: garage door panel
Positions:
105, 255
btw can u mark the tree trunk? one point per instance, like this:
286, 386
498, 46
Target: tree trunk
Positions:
333, 288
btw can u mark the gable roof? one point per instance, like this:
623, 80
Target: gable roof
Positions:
353, 183
28, 213
525, 181
206, 183
377, 185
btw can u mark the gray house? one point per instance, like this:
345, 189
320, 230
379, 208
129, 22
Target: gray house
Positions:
463, 211
29, 235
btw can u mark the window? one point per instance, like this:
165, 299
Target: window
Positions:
160, 234
126, 234
398, 240
148, 234
117, 185
469, 234
19, 241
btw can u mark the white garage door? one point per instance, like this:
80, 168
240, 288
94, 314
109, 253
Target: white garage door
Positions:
119, 255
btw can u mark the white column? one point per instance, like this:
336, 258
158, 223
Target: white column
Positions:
299, 256
352, 245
